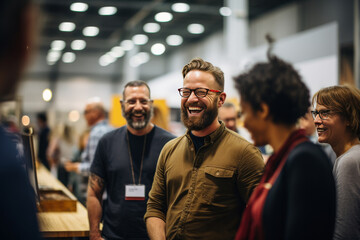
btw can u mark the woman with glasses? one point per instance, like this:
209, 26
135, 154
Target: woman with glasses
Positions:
295, 198
337, 120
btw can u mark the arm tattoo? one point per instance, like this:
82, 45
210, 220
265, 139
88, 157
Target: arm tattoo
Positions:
96, 183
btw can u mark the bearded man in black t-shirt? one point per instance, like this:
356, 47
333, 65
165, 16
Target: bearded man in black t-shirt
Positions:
124, 166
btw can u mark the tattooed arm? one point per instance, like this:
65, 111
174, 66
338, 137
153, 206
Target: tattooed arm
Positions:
94, 202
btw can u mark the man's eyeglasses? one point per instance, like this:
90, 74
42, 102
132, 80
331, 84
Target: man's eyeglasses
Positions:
323, 114
199, 92
132, 102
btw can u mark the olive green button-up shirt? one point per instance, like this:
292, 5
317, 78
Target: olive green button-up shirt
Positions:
202, 195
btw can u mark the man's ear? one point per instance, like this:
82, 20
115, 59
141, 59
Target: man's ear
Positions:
222, 98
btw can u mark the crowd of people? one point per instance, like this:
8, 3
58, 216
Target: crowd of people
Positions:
141, 182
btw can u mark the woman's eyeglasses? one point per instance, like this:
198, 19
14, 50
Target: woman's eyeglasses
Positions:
323, 114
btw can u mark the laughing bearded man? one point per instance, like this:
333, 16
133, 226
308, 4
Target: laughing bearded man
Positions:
205, 177
124, 166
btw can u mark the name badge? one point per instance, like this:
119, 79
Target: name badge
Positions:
135, 192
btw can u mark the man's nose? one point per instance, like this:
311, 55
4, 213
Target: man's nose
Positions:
193, 97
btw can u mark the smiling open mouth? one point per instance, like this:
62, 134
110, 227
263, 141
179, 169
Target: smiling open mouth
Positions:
195, 109
320, 130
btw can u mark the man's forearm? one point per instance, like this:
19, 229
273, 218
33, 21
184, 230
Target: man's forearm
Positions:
156, 228
94, 214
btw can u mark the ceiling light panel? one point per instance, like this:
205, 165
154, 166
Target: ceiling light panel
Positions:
180, 7
163, 17
140, 39
107, 11
225, 11
174, 40
196, 28
90, 31
67, 26
78, 45
58, 45
79, 7
127, 45
158, 49
152, 27
117, 51
68, 57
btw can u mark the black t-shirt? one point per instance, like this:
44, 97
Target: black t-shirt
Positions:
198, 141
123, 219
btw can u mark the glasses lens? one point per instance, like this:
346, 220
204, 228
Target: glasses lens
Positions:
324, 114
184, 92
313, 114
201, 92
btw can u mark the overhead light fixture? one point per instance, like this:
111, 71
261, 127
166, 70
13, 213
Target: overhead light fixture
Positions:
127, 45
163, 17
47, 95
78, 7
225, 11
74, 116
196, 28
151, 27
117, 52
68, 57
90, 31
140, 39
174, 40
180, 7
107, 11
25, 120
158, 49
58, 45
138, 59
67, 26
106, 59
78, 45
53, 56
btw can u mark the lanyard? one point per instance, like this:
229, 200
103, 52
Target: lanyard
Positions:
131, 160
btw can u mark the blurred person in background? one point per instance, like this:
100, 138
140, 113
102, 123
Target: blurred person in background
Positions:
229, 115
17, 202
78, 183
43, 139
296, 195
204, 177
124, 166
60, 151
95, 116
337, 120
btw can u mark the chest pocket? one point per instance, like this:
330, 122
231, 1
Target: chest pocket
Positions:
219, 172
218, 185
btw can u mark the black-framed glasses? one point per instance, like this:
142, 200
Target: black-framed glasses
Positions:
199, 92
323, 114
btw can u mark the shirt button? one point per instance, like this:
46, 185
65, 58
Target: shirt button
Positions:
192, 149
217, 173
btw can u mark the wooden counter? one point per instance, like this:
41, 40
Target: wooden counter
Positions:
61, 224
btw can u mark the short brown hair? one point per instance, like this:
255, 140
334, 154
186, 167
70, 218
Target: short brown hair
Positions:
136, 83
200, 64
344, 100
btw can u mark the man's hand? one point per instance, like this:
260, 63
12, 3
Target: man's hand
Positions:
72, 167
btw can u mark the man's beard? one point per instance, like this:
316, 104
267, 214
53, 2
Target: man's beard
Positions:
138, 124
200, 122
